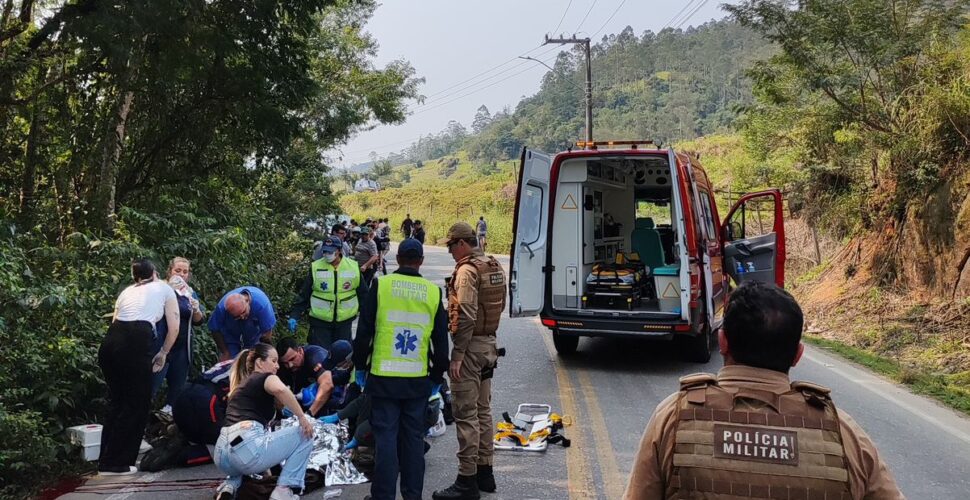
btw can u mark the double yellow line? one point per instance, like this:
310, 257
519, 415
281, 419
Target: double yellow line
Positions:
580, 480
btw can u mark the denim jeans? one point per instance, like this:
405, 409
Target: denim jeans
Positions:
175, 371
260, 450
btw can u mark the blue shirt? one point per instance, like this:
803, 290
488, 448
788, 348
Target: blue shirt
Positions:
242, 334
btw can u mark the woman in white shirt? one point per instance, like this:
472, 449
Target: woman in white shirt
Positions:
125, 358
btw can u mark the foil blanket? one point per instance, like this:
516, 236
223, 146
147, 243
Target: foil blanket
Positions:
327, 457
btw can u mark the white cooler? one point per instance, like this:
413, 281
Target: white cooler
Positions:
88, 437
667, 281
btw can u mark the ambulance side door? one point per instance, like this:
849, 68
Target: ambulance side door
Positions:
754, 238
530, 227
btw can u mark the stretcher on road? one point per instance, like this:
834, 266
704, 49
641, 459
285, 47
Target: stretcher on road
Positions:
533, 428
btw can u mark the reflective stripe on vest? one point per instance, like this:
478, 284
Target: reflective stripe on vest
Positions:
334, 290
746, 443
406, 308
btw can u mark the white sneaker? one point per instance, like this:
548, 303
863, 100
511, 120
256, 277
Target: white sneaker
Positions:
145, 447
283, 493
225, 491
167, 409
131, 470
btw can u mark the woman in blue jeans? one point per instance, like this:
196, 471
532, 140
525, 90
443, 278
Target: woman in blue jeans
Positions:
246, 445
176, 370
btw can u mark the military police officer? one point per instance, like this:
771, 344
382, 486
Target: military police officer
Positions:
332, 292
750, 432
402, 327
476, 298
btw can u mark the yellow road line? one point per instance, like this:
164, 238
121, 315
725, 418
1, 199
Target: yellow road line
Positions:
614, 483
580, 482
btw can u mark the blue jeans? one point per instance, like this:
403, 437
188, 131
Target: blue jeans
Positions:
260, 450
175, 371
399, 428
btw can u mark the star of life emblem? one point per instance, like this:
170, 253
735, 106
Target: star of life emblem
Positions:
405, 342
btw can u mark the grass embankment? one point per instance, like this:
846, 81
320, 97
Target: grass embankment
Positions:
442, 192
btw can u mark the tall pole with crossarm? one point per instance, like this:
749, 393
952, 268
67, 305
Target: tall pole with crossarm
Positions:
589, 80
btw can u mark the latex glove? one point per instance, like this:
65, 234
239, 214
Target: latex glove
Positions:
292, 324
436, 389
330, 419
360, 376
287, 413
158, 362
350, 444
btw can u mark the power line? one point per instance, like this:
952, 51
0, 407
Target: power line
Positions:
608, 19
554, 30
584, 17
686, 6
483, 72
702, 4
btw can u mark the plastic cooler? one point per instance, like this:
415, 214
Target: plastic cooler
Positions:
667, 281
88, 437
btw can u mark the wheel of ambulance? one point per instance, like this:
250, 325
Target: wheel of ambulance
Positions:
697, 348
565, 344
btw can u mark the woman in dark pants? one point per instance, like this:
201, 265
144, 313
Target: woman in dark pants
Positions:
125, 358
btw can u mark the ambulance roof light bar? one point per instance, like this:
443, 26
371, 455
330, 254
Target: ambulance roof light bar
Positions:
632, 144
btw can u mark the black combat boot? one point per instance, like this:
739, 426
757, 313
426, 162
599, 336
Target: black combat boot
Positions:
465, 488
486, 479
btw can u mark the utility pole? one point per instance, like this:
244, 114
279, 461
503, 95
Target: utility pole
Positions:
589, 79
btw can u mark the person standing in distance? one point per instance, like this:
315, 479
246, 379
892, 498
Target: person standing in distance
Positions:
418, 232
403, 332
406, 227
476, 298
805, 448
125, 359
332, 293
242, 318
481, 229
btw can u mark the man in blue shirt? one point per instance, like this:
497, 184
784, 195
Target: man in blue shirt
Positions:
243, 317
309, 364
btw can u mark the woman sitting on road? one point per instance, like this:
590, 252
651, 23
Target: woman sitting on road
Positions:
245, 445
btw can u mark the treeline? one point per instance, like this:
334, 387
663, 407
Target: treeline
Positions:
667, 86
157, 128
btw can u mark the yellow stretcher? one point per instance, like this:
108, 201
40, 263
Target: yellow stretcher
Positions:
533, 428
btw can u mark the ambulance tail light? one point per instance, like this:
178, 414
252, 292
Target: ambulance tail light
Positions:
681, 328
695, 280
548, 323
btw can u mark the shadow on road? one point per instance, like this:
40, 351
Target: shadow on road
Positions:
644, 356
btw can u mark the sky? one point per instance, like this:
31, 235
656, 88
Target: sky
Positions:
467, 52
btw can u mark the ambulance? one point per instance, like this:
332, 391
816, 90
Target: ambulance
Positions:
624, 239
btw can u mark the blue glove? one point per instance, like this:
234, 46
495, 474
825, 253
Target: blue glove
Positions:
350, 444
330, 419
292, 324
287, 413
360, 376
436, 389
307, 395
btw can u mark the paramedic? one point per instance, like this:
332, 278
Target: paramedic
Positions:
332, 293
476, 298
310, 364
752, 400
242, 318
403, 333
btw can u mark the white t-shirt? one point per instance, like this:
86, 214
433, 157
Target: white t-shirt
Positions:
143, 302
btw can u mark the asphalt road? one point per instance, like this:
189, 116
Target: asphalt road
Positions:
610, 389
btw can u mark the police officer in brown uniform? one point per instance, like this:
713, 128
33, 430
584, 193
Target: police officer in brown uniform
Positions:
750, 432
476, 299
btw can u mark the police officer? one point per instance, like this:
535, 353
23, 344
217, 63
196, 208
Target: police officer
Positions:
332, 292
476, 298
402, 327
750, 431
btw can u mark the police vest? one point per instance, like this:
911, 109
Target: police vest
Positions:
748, 443
334, 296
491, 294
406, 308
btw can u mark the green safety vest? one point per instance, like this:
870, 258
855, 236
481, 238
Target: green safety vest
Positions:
406, 307
334, 290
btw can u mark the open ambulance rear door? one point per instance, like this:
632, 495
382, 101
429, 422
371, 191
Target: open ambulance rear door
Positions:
754, 237
527, 280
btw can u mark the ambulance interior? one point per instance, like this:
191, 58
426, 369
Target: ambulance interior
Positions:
613, 241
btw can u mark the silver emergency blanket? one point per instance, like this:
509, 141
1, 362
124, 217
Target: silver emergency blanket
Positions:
327, 457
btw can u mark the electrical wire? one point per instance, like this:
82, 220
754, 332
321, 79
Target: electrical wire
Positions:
554, 30
702, 4
686, 7
493, 68
584, 17
617, 9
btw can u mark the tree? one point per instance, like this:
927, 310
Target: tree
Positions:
482, 118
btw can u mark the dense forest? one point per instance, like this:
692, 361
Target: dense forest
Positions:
157, 128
